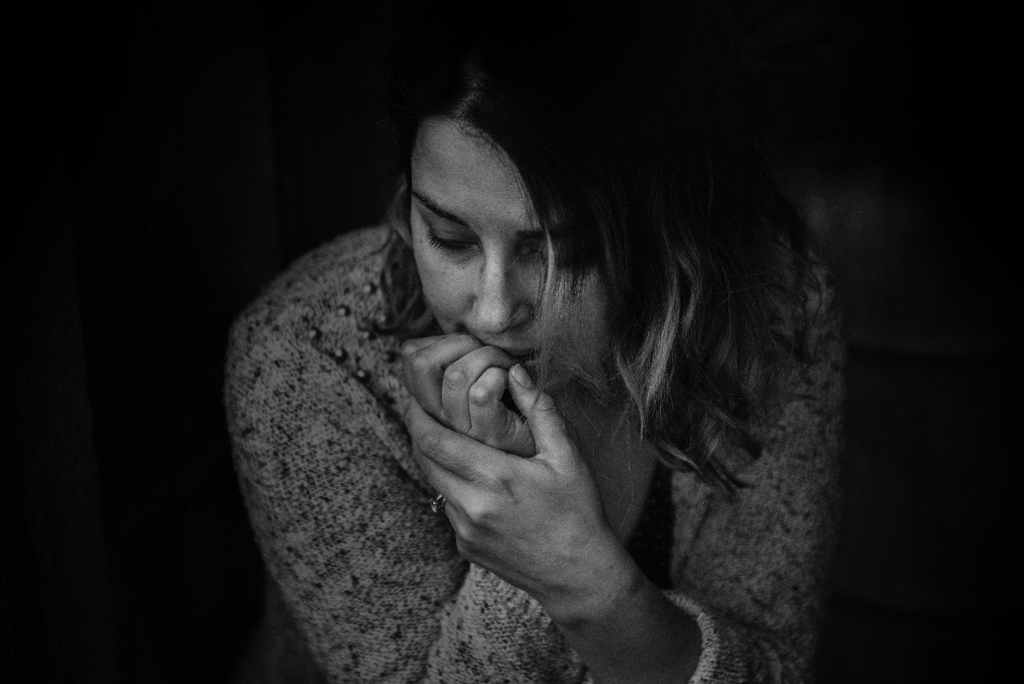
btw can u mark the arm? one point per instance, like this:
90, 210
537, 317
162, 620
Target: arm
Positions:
630, 631
754, 570
538, 524
750, 571
345, 530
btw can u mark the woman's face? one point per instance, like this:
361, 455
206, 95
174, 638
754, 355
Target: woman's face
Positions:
480, 258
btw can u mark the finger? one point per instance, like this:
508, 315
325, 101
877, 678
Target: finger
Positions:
460, 376
421, 430
444, 483
410, 348
457, 491
416, 343
491, 421
462, 457
544, 420
423, 365
441, 481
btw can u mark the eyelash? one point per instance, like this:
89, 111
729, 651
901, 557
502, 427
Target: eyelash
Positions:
447, 245
462, 246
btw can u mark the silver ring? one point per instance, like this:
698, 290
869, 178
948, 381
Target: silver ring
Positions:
437, 504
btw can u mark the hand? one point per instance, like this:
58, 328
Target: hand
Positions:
537, 523
460, 382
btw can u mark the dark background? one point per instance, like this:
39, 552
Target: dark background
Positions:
166, 159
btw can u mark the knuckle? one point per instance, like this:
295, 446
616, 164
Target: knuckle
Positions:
454, 378
478, 510
408, 349
419, 362
430, 443
479, 395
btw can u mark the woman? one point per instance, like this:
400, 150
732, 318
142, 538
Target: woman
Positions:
573, 413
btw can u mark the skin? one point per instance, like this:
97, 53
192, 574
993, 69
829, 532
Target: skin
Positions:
544, 499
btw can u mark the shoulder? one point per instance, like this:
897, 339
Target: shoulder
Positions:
823, 347
807, 321
340, 275
798, 429
801, 415
820, 304
313, 327
346, 265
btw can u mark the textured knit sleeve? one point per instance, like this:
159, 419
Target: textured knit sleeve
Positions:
339, 510
753, 569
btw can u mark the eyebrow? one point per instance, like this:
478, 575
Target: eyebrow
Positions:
434, 208
532, 234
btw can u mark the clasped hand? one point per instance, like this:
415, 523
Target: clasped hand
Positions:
521, 500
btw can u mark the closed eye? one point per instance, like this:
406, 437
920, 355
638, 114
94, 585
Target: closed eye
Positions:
446, 244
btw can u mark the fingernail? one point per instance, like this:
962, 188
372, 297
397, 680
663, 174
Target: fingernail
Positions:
522, 377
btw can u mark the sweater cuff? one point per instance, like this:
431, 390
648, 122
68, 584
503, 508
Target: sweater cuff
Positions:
710, 644
710, 638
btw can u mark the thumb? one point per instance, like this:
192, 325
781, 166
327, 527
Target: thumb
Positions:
543, 418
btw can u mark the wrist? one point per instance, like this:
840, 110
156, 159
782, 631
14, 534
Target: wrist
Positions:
607, 579
627, 630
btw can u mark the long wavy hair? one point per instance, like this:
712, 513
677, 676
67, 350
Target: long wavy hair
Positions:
626, 126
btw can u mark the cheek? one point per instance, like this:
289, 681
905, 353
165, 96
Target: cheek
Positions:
441, 289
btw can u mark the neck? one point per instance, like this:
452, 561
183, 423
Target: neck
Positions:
621, 463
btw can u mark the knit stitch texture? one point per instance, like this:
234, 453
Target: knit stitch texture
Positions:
372, 578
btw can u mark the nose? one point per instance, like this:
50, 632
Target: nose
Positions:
503, 302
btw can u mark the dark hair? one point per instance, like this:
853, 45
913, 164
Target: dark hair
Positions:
625, 124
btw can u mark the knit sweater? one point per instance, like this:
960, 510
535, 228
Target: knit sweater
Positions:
373, 579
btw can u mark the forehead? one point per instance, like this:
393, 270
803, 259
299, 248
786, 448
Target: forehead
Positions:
467, 174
